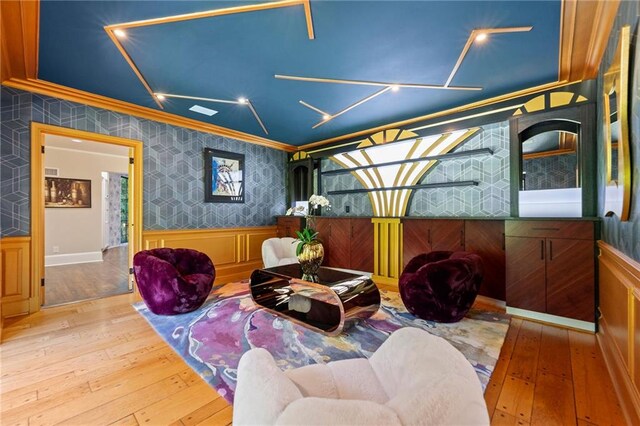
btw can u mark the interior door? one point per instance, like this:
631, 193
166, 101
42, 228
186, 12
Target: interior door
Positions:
131, 224
570, 278
526, 287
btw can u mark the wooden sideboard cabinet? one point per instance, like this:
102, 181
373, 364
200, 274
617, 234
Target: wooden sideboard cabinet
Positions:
288, 225
425, 235
551, 267
348, 242
486, 238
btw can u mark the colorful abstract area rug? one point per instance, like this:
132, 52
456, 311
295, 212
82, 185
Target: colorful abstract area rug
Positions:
213, 338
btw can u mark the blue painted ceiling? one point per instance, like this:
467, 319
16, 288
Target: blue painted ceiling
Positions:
237, 55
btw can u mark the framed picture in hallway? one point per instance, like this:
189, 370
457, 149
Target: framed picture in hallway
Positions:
67, 193
223, 176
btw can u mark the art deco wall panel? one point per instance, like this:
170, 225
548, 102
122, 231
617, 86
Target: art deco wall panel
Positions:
489, 199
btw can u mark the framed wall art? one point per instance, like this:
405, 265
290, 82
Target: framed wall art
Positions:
223, 176
67, 193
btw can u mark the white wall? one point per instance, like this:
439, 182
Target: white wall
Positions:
78, 230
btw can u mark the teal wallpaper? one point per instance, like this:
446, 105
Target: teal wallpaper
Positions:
173, 193
625, 236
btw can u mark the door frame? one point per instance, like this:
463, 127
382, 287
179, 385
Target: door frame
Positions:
38, 133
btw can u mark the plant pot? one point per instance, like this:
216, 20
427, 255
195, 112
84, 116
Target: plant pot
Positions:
311, 257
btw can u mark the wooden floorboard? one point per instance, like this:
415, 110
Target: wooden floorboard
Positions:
83, 281
99, 362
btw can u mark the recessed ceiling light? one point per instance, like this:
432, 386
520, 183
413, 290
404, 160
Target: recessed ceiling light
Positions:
481, 37
160, 96
76, 140
326, 117
120, 33
242, 100
203, 110
395, 87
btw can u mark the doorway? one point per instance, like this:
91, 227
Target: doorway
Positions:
72, 259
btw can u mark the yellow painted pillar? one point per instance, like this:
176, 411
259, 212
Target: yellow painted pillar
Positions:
387, 248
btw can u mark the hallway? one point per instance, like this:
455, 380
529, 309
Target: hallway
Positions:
71, 283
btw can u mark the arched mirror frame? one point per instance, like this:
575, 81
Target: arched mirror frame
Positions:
616, 79
300, 180
578, 119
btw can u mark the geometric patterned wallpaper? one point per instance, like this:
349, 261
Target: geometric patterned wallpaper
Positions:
173, 189
489, 199
558, 171
625, 236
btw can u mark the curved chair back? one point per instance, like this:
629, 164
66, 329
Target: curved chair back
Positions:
173, 281
279, 251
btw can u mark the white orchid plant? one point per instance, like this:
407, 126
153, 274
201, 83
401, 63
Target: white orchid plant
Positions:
309, 235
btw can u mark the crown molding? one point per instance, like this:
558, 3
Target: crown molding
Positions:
63, 92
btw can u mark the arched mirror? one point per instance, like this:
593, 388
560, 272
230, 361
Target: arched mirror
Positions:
301, 181
616, 131
550, 183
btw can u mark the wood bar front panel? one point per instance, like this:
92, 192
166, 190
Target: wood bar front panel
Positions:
486, 238
361, 251
335, 234
447, 235
526, 287
570, 278
288, 225
416, 238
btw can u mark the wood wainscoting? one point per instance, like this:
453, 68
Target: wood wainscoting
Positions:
15, 279
619, 334
235, 252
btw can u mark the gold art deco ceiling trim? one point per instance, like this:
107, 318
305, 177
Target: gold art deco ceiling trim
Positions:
114, 30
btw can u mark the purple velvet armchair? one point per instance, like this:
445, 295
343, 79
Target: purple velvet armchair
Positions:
441, 285
173, 281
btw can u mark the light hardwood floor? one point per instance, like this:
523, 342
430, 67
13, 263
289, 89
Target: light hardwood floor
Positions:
99, 362
83, 281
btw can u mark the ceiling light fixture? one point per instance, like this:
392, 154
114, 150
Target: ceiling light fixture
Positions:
120, 33
160, 96
239, 101
394, 87
76, 140
481, 37
326, 117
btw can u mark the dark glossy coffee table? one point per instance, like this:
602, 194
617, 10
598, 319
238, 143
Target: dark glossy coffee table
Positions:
328, 305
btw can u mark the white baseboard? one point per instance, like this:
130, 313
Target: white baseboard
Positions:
552, 319
72, 258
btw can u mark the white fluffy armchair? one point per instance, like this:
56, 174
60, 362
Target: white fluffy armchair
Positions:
278, 251
414, 378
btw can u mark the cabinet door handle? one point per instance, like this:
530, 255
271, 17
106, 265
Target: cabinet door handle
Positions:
542, 249
550, 250
462, 238
504, 241
429, 236
351, 231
